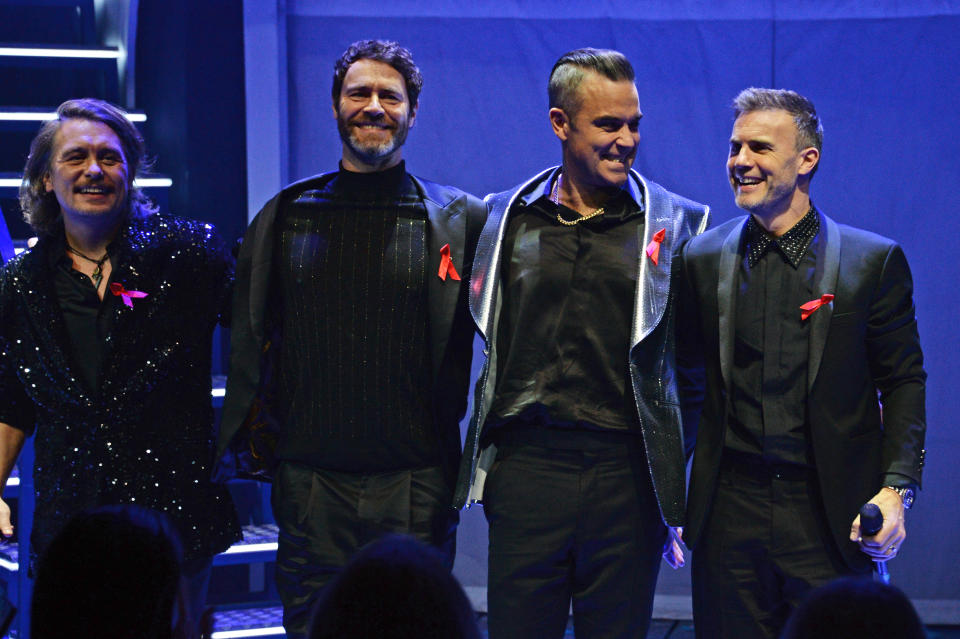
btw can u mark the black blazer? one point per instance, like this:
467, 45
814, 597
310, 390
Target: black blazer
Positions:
455, 218
863, 344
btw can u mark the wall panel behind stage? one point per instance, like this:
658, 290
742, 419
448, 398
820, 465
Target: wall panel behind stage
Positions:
883, 76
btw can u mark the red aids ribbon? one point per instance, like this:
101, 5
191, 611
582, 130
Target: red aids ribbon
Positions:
127, 296
446, 264
807, 309
653, 248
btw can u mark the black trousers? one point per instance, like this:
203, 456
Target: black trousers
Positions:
326, 516
571, 525
765, 545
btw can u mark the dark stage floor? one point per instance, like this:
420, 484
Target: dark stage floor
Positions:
664, 629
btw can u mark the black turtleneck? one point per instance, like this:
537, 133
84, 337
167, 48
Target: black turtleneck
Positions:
354, 391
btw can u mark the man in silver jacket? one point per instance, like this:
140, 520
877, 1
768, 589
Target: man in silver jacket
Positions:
576, 446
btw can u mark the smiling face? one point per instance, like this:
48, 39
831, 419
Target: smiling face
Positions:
600, 139
767, 172
373, 116
88, 170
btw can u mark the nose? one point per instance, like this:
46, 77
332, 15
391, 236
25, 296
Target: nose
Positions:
373, 106
627, 139
93, 168
742, 157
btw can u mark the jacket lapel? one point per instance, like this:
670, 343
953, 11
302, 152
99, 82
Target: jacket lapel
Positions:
726, 298
824, 281
448, 226
46, 317
653, 280
129, 268
485, 276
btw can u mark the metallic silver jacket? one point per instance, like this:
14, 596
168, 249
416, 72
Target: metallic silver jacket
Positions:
653, 368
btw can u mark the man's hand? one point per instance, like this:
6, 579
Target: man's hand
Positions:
673, 547
6, 528
886, 543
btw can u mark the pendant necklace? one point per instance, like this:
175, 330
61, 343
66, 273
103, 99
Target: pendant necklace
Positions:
97, 275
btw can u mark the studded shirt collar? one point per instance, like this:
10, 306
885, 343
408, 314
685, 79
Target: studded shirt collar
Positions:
792, 244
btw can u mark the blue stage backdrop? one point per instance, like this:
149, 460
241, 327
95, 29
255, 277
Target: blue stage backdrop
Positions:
883, 74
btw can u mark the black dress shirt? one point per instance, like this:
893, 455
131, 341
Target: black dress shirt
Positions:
87, 318
769, 373
567, 312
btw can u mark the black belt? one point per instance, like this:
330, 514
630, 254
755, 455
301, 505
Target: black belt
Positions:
756, 468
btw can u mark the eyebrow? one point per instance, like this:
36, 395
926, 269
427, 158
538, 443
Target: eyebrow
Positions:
83, 149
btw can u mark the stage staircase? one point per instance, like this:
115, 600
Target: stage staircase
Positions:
51, 51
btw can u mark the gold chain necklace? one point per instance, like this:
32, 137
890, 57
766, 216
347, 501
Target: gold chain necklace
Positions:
555, 198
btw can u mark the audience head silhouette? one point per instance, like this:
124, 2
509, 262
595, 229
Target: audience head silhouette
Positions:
396, 587
111, 573
854, 608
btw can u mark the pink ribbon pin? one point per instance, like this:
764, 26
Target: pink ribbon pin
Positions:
446, 265
653, 248
127, 296
807, 309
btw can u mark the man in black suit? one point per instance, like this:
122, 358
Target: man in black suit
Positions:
803, 323
352, 340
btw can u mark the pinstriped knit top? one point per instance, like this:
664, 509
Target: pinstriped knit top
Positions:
354, 390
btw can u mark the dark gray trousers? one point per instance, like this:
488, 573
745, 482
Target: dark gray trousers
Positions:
326, 516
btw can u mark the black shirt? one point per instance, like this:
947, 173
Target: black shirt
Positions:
769, 373
568, 301
87, 319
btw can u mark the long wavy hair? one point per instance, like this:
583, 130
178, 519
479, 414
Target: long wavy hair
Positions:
40, 208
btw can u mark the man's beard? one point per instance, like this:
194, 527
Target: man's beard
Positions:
371, 152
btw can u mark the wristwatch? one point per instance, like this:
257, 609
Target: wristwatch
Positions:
907, 495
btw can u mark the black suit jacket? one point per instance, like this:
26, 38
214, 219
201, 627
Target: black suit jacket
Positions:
247, 432
862, 345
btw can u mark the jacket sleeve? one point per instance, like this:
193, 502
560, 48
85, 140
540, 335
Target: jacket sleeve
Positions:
691, 379
16, 407
896, 364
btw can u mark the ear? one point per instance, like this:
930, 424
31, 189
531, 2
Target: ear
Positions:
47, 183
413, 115
560, 123
336, 114
809, 158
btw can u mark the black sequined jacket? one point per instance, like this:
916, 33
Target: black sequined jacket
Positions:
654, 373
145, 436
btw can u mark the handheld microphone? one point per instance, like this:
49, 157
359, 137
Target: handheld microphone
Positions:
871, 521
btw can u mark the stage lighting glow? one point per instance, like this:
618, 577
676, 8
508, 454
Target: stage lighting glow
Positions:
249, 632
43, 116
218, 392
153, 182
12, 566
36, 52
248, 548
141, 182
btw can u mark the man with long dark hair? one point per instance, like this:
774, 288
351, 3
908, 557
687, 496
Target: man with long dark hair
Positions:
105, 337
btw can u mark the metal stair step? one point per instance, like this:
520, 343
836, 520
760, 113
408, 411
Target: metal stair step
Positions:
248, 622
259, 545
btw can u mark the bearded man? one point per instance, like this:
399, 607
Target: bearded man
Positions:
352, 343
